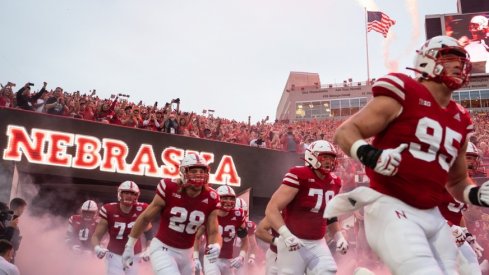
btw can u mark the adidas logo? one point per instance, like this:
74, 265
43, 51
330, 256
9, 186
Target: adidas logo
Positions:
457, 116
233, 219
206, 200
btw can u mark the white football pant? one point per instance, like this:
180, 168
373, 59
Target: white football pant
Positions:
166, 259
467, 260
313, 258
113, 265
271, 263
410, 240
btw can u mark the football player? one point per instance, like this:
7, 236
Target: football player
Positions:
82, 226
418, 151
250, 228
452, 210
232, 224
117, 219
184, 204
301, 199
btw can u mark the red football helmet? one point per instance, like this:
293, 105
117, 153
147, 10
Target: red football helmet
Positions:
431, 60
228, 197
128, 186
315, 154
472, 158
193, 160
89, 210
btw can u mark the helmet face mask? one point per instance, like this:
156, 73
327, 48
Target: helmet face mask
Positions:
194, 171
478, 27
436, 61
128, 193
227, 196
321, 155
89, 210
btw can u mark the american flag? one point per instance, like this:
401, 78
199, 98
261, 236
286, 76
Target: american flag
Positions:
379, 22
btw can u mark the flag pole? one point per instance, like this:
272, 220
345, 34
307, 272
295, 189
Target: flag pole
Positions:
366, 44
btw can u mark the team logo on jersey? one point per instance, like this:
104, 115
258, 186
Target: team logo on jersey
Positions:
423, 102
139, 208
457, 116
237, 213
206, 200
178, 196
213, 195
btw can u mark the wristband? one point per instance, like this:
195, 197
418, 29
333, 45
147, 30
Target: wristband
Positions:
471, 195
367, 154
354, 148
131, 241
284, 231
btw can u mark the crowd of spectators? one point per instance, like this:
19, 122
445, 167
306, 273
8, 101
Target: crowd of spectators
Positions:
169, 118
119, 110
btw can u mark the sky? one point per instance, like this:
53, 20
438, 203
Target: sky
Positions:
230, 56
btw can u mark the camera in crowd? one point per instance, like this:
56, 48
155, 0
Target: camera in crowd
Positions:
6, 215
259, 141
176, 100
30, 84
123, 95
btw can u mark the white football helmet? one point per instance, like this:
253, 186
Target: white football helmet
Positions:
317, 148
225, 191
472, 157
129, 186
429, 61
241, 204
192, 160
89, 210
479, 23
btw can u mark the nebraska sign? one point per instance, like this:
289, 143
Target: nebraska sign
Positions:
47, 147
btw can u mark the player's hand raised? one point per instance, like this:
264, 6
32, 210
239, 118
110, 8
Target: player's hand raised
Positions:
389, 160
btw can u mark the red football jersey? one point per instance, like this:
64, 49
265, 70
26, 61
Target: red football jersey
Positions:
81, 231
228, 227
304, 214
120, 225
434, 135
182, 215
452, 209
